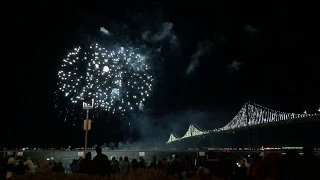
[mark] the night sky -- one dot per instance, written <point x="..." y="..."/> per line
<point x="265" y="53"/>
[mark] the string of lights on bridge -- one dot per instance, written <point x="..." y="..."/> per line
<point x="257" y="115"/>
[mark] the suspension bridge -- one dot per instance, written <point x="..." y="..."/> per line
<point x="250" y="115"/>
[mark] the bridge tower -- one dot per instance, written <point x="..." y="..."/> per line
<point x="248" y="127"/>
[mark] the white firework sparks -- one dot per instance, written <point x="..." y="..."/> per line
<point x="118" y="78"/>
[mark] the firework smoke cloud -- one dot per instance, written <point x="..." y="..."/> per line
<point x="165" y="33"/>
<point x="104" y="30"/>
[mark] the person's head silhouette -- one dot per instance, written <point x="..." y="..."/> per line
<point x="98" y="150"/>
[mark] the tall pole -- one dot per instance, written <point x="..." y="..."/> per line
<point x="86" y="136"/>
<point x="247" y="114"/>
<point x="87" y="105"/>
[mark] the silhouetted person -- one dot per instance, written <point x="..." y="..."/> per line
<point x="227" y="166"/>
<point x="289" y="165"/>
<point x="309" y="165"/>
<point x="153" y="163"/>
<point x="86" y="164"/>
<point x="212" y="163"/>
<point x="134" y="164"/>
<point x="101" y="163"/>
<point x="74" y="166"/>
<point x="142" y="163"/>
<point x="115" y="168"/>
<point x="272" y="166"/>
<point x="125" y="166"/>
<point x="20" y="168"/>
<point x="9" y="168"/>
<point x="177" y="167"/>
<point x="161" y="164"/>
<point x="58" y="168"/>
<point x="241" y="172"/>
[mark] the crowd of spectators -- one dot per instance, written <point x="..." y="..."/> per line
<point x="253" y="166"/>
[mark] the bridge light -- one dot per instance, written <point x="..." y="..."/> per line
<point x="304" y="112"/>
<point x="319" y="110"/>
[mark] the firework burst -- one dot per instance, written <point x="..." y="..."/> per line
<point x="116" y="66"/>
<point x="118" y="78"/>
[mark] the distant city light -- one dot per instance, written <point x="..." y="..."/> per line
<point x="305" y="112"/>
<point x="319" y="110"/>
